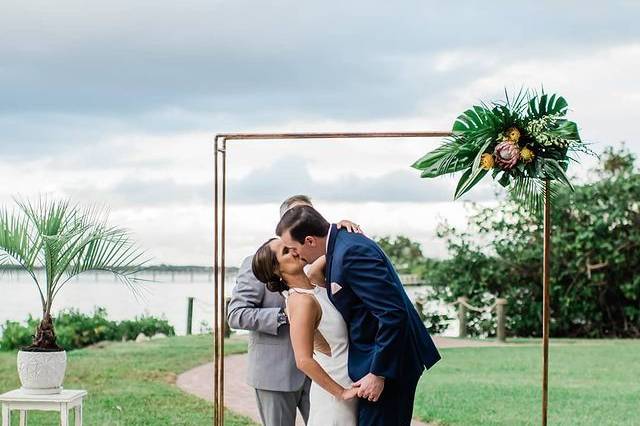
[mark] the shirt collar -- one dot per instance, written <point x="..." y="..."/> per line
<point x="326" y="244"/>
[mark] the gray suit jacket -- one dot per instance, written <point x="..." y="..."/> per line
<point x="272" y="365"/>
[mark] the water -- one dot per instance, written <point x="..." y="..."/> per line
<point x="165" y="297"/>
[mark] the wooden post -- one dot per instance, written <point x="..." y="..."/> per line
<point x="189" y="314"/>
<point x="501" y="319"/>
<point x="545" y="299"/>
<point x="462" y="316"/>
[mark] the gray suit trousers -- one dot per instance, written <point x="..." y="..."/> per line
<point x="279" y="408"/>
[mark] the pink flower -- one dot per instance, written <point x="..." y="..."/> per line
<point x="507" y="154"/>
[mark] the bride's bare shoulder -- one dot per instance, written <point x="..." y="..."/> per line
<point x="303" y="305"/>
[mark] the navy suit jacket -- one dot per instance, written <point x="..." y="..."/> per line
<point x="386" y="336"/>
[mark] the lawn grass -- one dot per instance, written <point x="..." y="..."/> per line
<point x="133" y="384"/>
<point x="592" y="382"/>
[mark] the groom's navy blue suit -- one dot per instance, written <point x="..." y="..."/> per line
<point x="386" y="336"/>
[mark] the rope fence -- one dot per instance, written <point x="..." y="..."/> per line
<point x="462" y="303"/>
<point x="500" y="306"/>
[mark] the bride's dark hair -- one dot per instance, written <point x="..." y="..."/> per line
<point x="265" y="265"/>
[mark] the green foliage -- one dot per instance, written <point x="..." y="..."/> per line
<point x="54" y="241"/>
<point x="147" y="325"/>
<point x="406" y="255"/>
<point x="592" y="383"/>
<point x="77" y="330"/>
<point x="530" y="121"/>
<point x="134" y="384"/>
<point x="16" y="335"/>
<point x="595" y="285"/>
<point x="435" y="322"/>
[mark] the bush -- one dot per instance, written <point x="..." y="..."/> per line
<point x="147" y="325"/>
<point x="76" y="330"/>
<point x="594" y="285"/>
<point x="15" y="335"/>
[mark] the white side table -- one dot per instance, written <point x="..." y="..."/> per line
<point x="62" y="402"/>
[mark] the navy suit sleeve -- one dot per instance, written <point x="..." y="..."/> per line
<point x="365" y="271"/>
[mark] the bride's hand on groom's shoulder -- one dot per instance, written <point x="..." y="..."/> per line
<point x="349" y="226"/>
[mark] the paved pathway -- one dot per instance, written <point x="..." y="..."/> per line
<point x="240" y="398"/>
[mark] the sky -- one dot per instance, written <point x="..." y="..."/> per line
<point x="117" y="103"/>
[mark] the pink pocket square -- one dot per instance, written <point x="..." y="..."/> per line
<point x="335" y="287"/>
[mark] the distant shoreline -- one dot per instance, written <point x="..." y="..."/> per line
<point x="152" y="268"/>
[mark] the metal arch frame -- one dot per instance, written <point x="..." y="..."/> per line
<point x="220" y="190"/>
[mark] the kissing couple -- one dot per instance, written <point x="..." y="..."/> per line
<point x="351" y="326"/>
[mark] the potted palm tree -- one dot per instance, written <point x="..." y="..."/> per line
<point x="54" y="241"/>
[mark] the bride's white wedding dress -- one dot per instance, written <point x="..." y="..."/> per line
<point x="327" y="410"/>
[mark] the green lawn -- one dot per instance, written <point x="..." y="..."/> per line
<point x="132" y="384"/>
<point x="592" y="382"/>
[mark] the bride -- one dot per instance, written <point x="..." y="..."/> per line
<point x="319" y="334"/>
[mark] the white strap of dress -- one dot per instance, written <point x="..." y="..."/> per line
<point x="302" y="290"/>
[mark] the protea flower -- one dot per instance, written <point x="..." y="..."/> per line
<point x="507" y="154"/>
<point x="527" y="155"/>
<point x="486" y="161"/>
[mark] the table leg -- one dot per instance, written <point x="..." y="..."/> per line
<point x="23" y="418"/>
<point x="79" y="415"/>
<point x="64" y="415"/>
<point x="6" y="415"/>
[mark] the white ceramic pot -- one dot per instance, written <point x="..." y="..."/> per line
<point x="42" y="373"/>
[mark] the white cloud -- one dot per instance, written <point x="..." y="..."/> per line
<point x="96" y="108"/>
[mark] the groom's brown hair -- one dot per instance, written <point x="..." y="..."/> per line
<point x="303" y="221"/>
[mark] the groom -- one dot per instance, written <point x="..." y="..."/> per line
<point x="389" y="346"/>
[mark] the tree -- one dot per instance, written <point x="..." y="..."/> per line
<point x="406" y="255"/>
<point x="595" y="287"/>
<point x="53" y="241"/>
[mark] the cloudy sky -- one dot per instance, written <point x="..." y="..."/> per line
<point x="117" y="103"/>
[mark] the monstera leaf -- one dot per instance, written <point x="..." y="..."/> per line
<point x="534" y="139"/>
<point x="544" y="104"/>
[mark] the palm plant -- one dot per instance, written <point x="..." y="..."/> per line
<point x="523" y="141"/>
<point x="54" y="241"/>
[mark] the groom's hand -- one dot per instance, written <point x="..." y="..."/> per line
<point x="370" y="387"/>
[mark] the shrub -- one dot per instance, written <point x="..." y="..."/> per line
<point x="77" y="330"/>
<point x="594" y="285"/>
<point x="147" y="325"/>
<point x="15" y="335"/>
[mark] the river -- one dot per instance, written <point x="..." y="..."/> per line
<point x="166" y="296"/>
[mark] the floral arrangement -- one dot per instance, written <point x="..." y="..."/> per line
<point x="522" y="142"/>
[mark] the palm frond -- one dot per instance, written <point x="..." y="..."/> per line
<point x="66" y="240"/>
<point x="529" y="120"/>
<point x="531" y="192"/>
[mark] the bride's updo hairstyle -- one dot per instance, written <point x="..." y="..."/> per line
<point x="265" y="265"/>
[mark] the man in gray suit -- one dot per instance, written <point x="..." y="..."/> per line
<point x="280" y="387"/>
